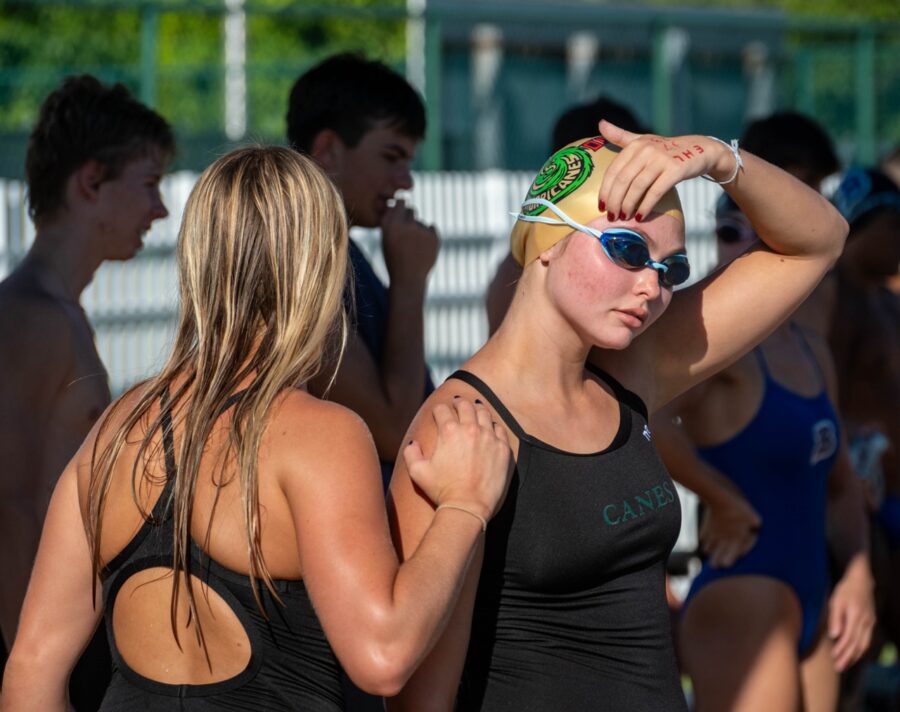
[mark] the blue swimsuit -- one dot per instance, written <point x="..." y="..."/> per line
<point x="781" y="462"/>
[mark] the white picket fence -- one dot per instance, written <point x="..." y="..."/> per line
<point x="132" y="305"/>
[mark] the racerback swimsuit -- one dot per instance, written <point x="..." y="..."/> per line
<point x="291" y="667"/>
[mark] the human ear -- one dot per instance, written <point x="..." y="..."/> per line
<point x="327" y="150"/>
<point x="552" y="252"/>
<point x="87" y="179"/>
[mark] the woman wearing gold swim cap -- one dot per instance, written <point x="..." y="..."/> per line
<point x="564" y="605"/>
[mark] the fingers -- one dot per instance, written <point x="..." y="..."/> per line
<point x="616" y="134"/>
<point x="636" y="190"/>
<point x="412" y="455"/>
<point x="396" y="214"/>
<point x="484" y="416"/>
<point x="850" y="630"/>
<point x="465" y="411"/>
<point x="443" y="414"/>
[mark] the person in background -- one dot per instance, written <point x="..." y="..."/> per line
<point x="363" y="123"/>
<point x="93" y="167"/>
<point x="761" y="444"/>
<point x="864" y="321"/>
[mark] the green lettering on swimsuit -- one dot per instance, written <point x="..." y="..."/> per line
<point x="606" y="518"/>
<point x="627" y="512"/>
<point x="644" y="501"/>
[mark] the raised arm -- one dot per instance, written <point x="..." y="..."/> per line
<point x="382" y="618"/>
<point x="433" y="686"/>
<point x="710" y="324"/>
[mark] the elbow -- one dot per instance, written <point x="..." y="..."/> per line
<point x="838" y="231"/>
<point x="383" y="668"/>
<point x="30" y="668"/>
<point x="383" y="678"/>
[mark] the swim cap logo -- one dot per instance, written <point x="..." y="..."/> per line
<point x="563" y="173"/>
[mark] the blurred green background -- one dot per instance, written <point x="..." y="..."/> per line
<point x="495" y="73"/>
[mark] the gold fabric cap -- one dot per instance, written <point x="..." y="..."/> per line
<point x="570" y="179"/>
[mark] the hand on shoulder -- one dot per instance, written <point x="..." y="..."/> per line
<point x="468" y="456"/>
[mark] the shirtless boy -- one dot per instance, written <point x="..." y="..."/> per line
<point x="93" y="167"/>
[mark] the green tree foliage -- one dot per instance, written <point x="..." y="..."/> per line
<point x="42" y="41"/>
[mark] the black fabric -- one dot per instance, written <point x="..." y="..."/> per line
<point x="92" y="673"/>
<point x="369" y="313"/>
<point x="571" y="612"/>
<point x="291" y="667"/>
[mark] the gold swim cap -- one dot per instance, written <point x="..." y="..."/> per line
<point x="570" y="179"/>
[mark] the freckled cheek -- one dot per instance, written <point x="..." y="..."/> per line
<point x="581" y="284"/>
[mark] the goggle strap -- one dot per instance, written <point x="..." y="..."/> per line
<point x="566" y="220"/>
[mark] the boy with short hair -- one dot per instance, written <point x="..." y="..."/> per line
<point x="362" y="123"/>
<point x="94" y="162"/>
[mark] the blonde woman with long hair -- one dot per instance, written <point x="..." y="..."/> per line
<point x="230" y="527"/>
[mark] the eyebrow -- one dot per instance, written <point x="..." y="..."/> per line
<point x="399" y="149"/>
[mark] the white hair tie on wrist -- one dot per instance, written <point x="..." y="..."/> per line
<point x="738" y="161"/>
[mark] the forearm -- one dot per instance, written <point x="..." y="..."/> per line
<point x="684" y="464"/>
<point x="791" y="218"/>
<point x="396" y="633"/>
<point x="30" y="683"/>
<point x="848" y="531"/>
<point x="403" y="360"/>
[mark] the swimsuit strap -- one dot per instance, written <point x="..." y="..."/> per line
<point x="167" y="434"/>
<point x="761" y="360"/>
<point x="622" y="394"/>
<point x="485" y="390"/>
<point x="809" y="352"/>
<point x="167" y="428"/>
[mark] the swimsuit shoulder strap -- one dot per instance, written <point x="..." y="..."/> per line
<point x="491" y="397"/>
<point x="167" y="428"/>
<point x="761" y="360"/>
<point x="809" y="353"/>
<point x="623" y="395"/>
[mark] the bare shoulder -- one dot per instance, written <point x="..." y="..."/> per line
<point x="33" y="326"/>
<point x="423" y="429"/>
<point x="409" y="510"/>
<point x="112" y="418"/>
<point x="305" y="433"/>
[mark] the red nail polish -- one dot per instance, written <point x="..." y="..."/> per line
<point x="638" y="217"/>
<point x="602" y="205"/>
<point x="621" y="216"/>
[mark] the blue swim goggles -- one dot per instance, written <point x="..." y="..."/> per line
<point x="625" y="248"/>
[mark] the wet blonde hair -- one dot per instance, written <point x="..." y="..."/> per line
<point x="262" y="258"/>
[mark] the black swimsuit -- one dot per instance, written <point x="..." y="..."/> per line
<point x="571" y="611"/>
<point x="292" y="666"/>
